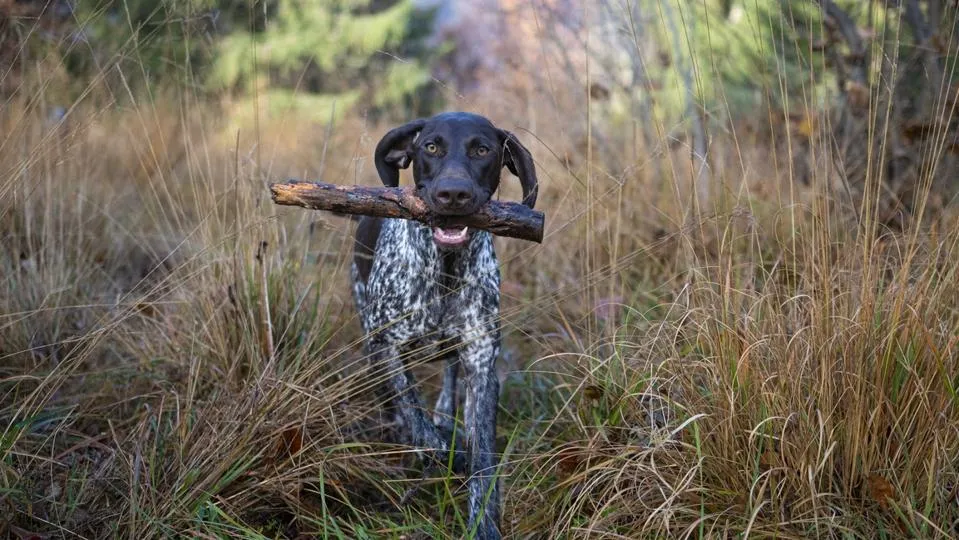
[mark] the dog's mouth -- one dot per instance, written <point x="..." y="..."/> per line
<point x="451" y="237"/>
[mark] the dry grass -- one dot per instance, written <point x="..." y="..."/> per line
<point x="179" y="357"/>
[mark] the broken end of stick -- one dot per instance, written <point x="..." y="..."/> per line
<point x="284" y="193"/>
<point x="538" y="238"/>
<point x="536" y="231"/>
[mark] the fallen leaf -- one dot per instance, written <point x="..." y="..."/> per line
<point x="769" y="459"/>
<point x="593" y="392"/>
<point x="568" y="461"/>
<point x="146" y="309"/>
<point x="291" y="442"/>
<point x="880" y="490"/>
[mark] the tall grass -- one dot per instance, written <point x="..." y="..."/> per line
<point x="179" y="357"/>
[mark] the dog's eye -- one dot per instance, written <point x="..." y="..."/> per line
<point x="482" y="151"/>
<point x="430" y="148"/>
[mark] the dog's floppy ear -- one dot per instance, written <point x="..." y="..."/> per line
<point x="393" y="152"/>
<point x="520" y="162"/>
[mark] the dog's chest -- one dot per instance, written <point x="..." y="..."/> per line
<point x="415" y="292"/>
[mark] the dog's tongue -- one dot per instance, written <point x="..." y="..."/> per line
<point x="450" y="236"/>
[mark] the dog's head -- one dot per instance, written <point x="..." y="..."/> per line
<point x="457" y="159"/>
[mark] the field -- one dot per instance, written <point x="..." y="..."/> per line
<point x="762" y="353"/>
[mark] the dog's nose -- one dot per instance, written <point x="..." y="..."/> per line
<point x="454" y="196"/>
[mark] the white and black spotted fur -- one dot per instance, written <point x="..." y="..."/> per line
<point x="414" y="292"/>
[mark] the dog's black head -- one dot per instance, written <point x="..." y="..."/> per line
<point x="457" y="158"/>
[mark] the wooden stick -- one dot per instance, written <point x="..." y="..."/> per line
<point x="509" y="219"/>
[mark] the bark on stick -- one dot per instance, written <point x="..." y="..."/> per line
<point x="509" y="219"/>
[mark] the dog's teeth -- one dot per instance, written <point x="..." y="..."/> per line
<point x="451" y="235"/>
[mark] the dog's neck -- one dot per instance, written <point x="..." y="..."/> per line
<point x="448" y="268"/>
<point x="454" y="266"/>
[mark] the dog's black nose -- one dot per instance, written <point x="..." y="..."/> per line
<point x="454" y="195"/>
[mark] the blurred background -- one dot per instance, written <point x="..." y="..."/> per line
<point x="743" y="319"/>
<point x="658" y="76"/>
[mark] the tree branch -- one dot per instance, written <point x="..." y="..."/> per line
<point x="508" y="219"/>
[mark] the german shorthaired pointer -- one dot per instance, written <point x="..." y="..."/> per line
<point x="420" y="288"/>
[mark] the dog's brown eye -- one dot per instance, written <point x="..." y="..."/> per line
<point x="430" y="148"/>
<point x="482" y="151"/>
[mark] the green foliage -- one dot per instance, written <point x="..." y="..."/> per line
<point x="745" y="53"/>
<point x="160" y="40"/>
<point x="728" y="56"/>
<point x="741" y="53"/>
<point x="302" y="55"/>
<point x="736" y="54"/>
<point x="339" y="50"/>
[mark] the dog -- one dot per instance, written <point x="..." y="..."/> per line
<point x="418" y="286"/>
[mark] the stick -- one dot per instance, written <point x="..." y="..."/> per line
<point x="509" y="219"/>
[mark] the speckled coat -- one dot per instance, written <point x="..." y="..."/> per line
<point x="412" y="294"/>
<point x="419" y="298"/>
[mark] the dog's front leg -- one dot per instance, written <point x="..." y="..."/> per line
<point x="397" y="390"/>
<point x="482" y="397"/>
<point x="444" y="414"/>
